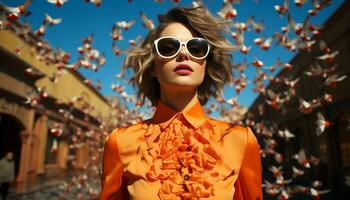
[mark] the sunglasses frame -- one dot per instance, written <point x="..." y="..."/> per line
<point x="181" y="44"/>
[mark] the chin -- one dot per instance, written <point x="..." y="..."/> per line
<point x="186" y="84"/>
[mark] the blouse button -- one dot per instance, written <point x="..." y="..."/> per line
<point x="187" y="177"/>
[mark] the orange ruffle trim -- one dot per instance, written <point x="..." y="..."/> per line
<point x="183" y="161"/>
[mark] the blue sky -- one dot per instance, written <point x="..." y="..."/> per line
<point x="80" y="19"/>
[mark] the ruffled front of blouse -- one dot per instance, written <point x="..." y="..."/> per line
<point x="183" y="160"/>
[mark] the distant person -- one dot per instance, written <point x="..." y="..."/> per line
<point x="7" y="173"/>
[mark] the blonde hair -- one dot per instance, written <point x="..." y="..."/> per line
<point x="218" y="67"/>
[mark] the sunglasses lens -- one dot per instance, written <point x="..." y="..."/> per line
<point x="168" y="46"/>
<point x="198" y="47"/>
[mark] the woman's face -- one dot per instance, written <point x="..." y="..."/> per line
<point x="164" y="69"/>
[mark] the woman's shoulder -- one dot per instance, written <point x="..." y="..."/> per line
<point x="126" y="140"/>
<point x="127" y="129"/>
<point x="226" y="125"/>
<point x="236" y="130"/>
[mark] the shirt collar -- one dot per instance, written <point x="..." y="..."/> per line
<point x="164" y="115"/>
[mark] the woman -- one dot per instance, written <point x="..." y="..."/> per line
<point x="7" y="173"/>
<point x="180" y="153"/>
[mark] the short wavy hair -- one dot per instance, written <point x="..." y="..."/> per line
<point x="218" y="69"/>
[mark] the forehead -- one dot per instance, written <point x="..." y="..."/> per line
<point x="178" y="30"/>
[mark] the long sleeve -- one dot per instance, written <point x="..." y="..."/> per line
<point x="112" y="174"/>
<point x="249" y="183"/>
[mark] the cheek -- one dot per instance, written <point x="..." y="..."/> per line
<point x="160" y="65"/>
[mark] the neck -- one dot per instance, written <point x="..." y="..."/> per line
<point x="179" y="99"/>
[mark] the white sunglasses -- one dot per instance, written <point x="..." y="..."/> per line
<point x="169" y="47"/>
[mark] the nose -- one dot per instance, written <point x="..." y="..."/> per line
<point x="183" y="53"/>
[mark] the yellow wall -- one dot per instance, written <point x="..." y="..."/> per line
<point x="68" y="85"/>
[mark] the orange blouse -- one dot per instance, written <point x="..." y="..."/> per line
<point x="181" y="155"/>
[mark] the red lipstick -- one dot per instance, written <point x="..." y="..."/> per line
<point x="183" y="69"/>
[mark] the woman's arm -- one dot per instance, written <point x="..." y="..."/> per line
<point x="249" y="183"/>
<point x="112" y="174"/>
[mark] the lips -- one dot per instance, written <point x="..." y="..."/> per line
<point x="183" y="67"/>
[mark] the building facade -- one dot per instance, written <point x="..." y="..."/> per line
<point x="331" y="147"/>
<point x="46" y="119"/>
